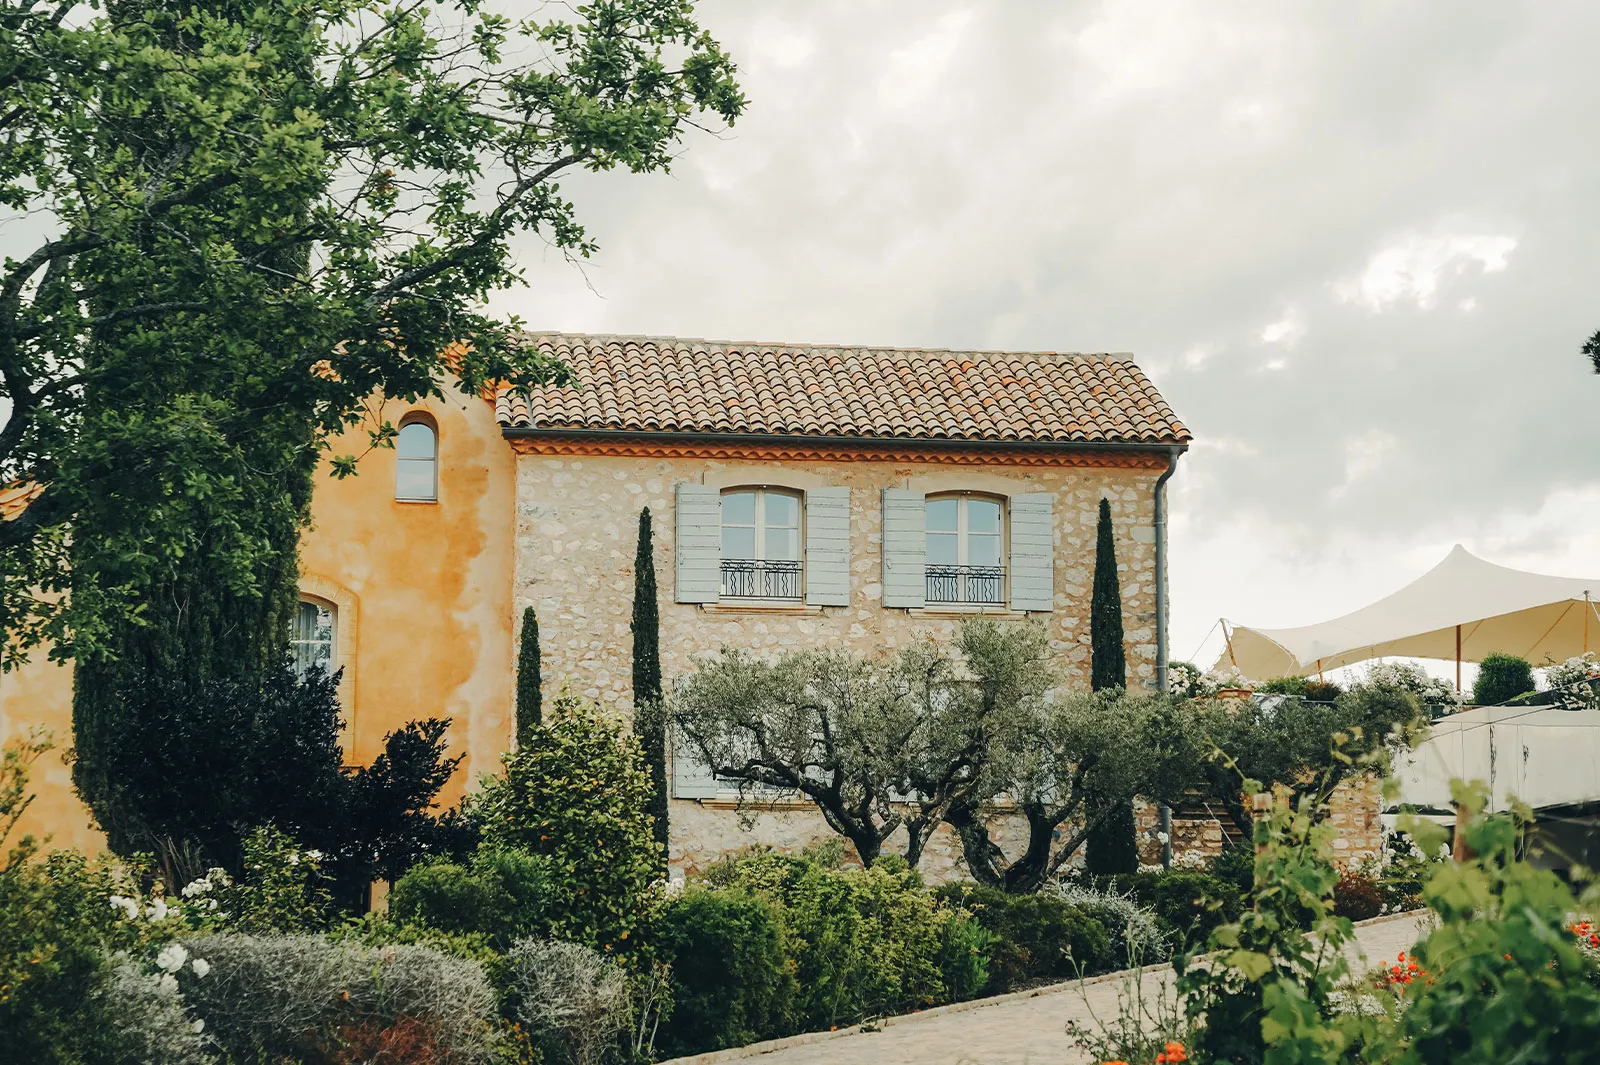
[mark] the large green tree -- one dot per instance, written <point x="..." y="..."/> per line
<point x="1111" y="848"/>
<point x="257" y="217"/>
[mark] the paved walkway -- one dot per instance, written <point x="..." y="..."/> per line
<point x="1011" y="1030"/>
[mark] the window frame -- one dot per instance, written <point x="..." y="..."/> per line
<point x="301" y="667"/>
<point x="963" y="534"/>
<point x="760" y="562"/>
<point x="427" y="422"/>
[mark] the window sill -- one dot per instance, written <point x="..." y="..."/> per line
<point x="423" y="502"/>
<point x="761" y="606"/>
<point x="949" y="610"/>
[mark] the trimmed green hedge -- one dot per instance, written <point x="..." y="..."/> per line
<point x="1036" y="937"/>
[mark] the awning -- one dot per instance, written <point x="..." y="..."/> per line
<point x="1489" y="608"/>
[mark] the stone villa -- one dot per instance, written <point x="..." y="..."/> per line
<point x="803" y="495"/>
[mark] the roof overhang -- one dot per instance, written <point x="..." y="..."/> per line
<point x="1155" y="455"/>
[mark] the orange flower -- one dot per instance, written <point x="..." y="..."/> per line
<point x="1176" y="1053"/>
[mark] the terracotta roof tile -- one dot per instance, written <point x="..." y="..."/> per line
<point x="662" y="384"/>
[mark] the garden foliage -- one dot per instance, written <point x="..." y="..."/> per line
<point x="577" y="795"/>
<point x="732" y="982"/>
<point x="1501" y="678"/>
<point x="530" y="696"/>
<point x="502" y="895"/>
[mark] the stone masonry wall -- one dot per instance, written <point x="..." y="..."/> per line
<point x="576" y="527"/>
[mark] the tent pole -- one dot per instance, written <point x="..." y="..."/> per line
<point x="1458" y="661"/>
<point x="1227" y="637"/>
<point x="1319" y="671"/>
<point x="1586" y="609"/>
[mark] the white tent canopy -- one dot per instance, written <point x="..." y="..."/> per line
<point x="1464" y="608"/>
<point x="1542" y="755"/>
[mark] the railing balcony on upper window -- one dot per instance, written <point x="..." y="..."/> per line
<point x="755" y="578"/>
<point x="976" y="585"/>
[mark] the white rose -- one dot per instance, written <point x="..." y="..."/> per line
<point x="197" y="1027"/>
<point x="157" y="910"/>
<point x="169" y="983"/>
<point x="200" y="967"/>
<point x="126" y="906"/>
<point x="171" y="958"/>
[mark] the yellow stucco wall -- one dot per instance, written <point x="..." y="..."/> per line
<point x="423" y="590"/>
<point x="423" y="594"/>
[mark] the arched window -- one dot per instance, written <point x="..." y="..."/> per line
<point x="760" y="544"/>
<point x="966" y="546"/>
<point x="416" y="478"/>
<point x="312" y="636"/>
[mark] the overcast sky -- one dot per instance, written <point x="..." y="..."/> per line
<point x="1354" y="244"/>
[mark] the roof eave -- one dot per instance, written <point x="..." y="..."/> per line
<point x="1167" y="447"/>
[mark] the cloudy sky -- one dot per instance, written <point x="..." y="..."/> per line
<point x="1354" y="244"/>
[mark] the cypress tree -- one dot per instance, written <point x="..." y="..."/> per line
<point x="529" y="711"/>
<point x="649" y="720"/>
<point x="1111" y="847"/>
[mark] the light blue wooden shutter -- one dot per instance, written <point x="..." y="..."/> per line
<point x="699" y="548"/>
<point x="905" y="548"/>
<point x="827" y="574"/>
<point x="691" y="777"/>
<point x="1032" y="552"/>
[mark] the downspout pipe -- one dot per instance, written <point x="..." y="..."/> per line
<point x="1161" y="565"/>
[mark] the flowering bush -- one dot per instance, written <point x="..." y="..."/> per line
<point x="1575" y="670"/>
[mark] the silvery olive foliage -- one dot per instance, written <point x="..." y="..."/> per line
<point x="574" y="1001"/>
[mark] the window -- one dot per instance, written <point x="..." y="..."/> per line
<point x="965" y="541"/>
<point x="760" y="544"/>
<point x="312" y="637"/>
<point x="416" y="478"/>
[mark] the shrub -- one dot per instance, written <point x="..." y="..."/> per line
<point x="1316" y="691"/>
<point x="576" y="794"/>
<point x="1134" y="935"/>
<point x="291" y="996"/>
<point x="1236" y="867"/>
<point x="964" y="957"/>
<point x="573" y="1002"/>
<point x="865" y="942"/>
<point x="1189" y="903"/>
<point x="147" y="1014"/>
<point x="1036" y="936"/>
<point x="1355" y="896"/>
<point x="503" y="895"/>
<point x="1501" y="678"/>
<point x="731" y="979"/>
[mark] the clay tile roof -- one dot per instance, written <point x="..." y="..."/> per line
<point x="662" y="384"/>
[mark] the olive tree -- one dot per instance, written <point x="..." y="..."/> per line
<point x="877" y="744"/>
<point x="1065" y="766"/>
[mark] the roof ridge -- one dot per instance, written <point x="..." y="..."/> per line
<point x="987" y="353"/>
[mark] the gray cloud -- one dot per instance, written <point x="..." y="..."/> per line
<point x="1353" y="242"/>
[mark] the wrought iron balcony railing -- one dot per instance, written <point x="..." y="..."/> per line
<point x="974" y="585"/>
<point x="753" y="578"/>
